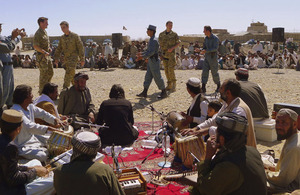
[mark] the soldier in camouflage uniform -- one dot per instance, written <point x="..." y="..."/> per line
<point x="168" y="41"/>
<point x="72" y="48"/>
<point x="41" y="44"/>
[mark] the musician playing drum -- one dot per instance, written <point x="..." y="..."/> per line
<point x="29" y="146"/>
<point x="197" y="112"/>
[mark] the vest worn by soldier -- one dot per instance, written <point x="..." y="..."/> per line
<point x="71" y="46"/>
<point x="166" y="41"/>
<point x="196" y="110"/>
<point x="253" y="96"/>
<point x="41" y="39"/>
<point x="249" y="162"/>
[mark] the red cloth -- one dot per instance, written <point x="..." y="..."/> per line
<point x="172" y="188"/>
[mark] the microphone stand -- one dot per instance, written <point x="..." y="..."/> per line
<point x="165" y="163"/>
<point x="152" y="151"/>
<point x="115" y="163"/>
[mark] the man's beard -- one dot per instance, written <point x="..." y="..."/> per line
<point x="286" y="135"/>
<point x="224" y="97"/>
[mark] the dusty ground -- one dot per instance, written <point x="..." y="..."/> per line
<point x="278" y="88"/>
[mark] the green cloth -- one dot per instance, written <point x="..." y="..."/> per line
<point x="71" y="46"/>
<point x="41" y="39"/>
<point x="232" y="171"/>
<point x="223" y="179"/>
<point x="86" y="177"/>
<point x="72" y="101"/>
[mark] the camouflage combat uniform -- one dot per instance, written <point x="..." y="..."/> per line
<point x="166" y="41"/>
<point x="44" y="62"/>
<point x="72" y="48"/>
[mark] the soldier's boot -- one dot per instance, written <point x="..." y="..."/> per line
<point x="144" y="93"/>
<point x="173" y="86"/>
<point x="169" y="86"/>
<point x="218" y="87"/>
<point x="203" y="88"/>
<point x="163" y="94"/>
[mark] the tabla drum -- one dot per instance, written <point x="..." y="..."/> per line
<point x="60" y="142"/>
<point x="188" y="144"/>
<point x="175" y="120"/>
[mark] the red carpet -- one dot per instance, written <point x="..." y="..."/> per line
<point x="133" y="158"/>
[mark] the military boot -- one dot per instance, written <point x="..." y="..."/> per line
<point x="203" y="88"/>
<point x="169" y="86"/>
<point x="173" y="86"/>
<point x="218" y="87"/>
<point x="163" y="94"/>
<point x="144" y="93"/>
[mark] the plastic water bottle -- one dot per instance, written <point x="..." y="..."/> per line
<point x="166" y="144"/>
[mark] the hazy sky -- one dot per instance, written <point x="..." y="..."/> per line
<point x="102" y="17"/>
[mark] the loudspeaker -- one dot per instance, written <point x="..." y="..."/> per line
<point x="278" y="35"/>
<point x="117" y="40"/>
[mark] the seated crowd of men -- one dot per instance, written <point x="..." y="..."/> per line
<point x="231" y="146"/>
<point x="234" y="57"/>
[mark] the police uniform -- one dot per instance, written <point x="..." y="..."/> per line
<point x="72" y="48"/>
<point x="44" y="62"/>
<point x="166" y="41"/>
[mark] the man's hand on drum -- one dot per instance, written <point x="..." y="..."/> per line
<point x="57" y="122"/>
<point x="187" y="131"/>
<point x="40" y="170"/>
<point x="91" y="117"/>
<point x="53" y="129"/>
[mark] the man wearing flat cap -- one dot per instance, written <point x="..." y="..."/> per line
<point x="76" y="101"/>
<point x="230" y="167"/>
<point x="197" y="112"/>
<point x="82" y="175"/>
<point x="286" y="177"/>
<point x="252" y="95"/>
<point x="13" y="177"/>
<point x="153" y="68"/>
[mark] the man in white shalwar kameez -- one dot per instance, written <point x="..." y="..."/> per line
<point x="28" y="145"/>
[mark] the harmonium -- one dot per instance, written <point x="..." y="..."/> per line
<point x="294" y="107"/>
<point x="132" y="181"/>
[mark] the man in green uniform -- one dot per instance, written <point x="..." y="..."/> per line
<point x="82" y="175"/>
<point x="168" y="41"/>
<point x="41" y="44"/>
<point x="235" y="168"/>
<point x="72" y="48"/>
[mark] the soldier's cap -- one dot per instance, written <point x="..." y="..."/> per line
<point x="151" y="27"/>
<point x="194" y="82"/>
<point x="94" y="44"/>
<point x="286" y="111"/>
<point x="242" y="71"/>
<point x="12" y="116"/>
<point x="81" y="75"/>
<point x="231" y="122"/>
